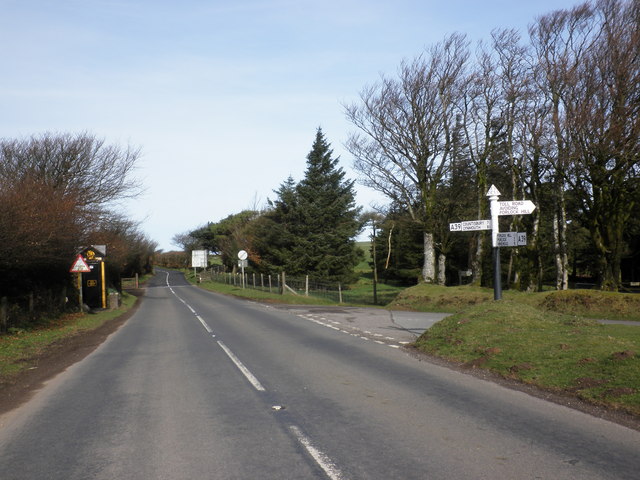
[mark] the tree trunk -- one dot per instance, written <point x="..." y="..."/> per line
<point x="442" y="262"/>
<point x="476" y="264"/>
<point x="429" y="266"/>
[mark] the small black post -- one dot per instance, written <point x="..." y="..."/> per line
<point x="497" y="274"/>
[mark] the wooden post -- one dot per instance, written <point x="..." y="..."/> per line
<point x="339" y="293"/>
<point x="80" y="290"/>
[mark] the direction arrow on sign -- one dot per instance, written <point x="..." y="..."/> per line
<point x="470" y="226"/>
<point x="516" y="207"/>
<point x="79" y="266"/>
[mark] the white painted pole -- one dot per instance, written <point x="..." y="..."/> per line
<point x="493" y="195"/>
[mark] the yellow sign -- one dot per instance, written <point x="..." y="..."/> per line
<point x="92" y="283"/>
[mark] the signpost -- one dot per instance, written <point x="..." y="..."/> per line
<point x="198" y="260"/>
<point x="243" y="262"/>
<point x="506" y="239"/>
<point x="80" y="267"/>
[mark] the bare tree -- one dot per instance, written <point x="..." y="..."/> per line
<point x="81" y="165"/>
<point x="560" y="40"/>
<point x="54" y="190"/>
<point x="591" y="62"/>
<point x="405" y="139"/>
<point x="603" y="116"/>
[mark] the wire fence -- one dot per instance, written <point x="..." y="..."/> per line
<point x="281" y="283"/>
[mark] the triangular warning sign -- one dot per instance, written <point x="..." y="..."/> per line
<point x="79" y="266"/>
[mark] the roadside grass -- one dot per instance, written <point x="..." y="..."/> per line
<point x="585" y="303"/>
<point x="554" y="351"/>
<point x="19" y="346"/>
<point x="357" y="294"/>
<point x="258" y="295"/>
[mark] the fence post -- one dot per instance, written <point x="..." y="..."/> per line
<point x="136" y="280"/>
<point x="306" y="285"/>
<point x="254" y="281"/>
<point x="283" y="284"/>
<point x="262" y="281"/>
<point x="4" y="310"/>
<point x="269" y="283"/>
<point x="339" y="293"/>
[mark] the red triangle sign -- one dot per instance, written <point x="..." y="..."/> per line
<point x="79" y="266"/>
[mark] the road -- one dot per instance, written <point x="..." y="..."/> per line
<point x="197" y="385"/>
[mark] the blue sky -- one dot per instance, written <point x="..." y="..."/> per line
<point x="223" y="98"/>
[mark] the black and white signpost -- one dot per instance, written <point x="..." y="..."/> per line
<point x="506" y="239"/>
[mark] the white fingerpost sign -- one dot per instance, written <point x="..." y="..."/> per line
<point x="512" y="239"/>
<point x="470" y="226"/>
<point x="506" y="239"/>
<point x="516" y="207"/>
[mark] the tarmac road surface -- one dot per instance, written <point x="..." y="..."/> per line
<point x="198" y="385"/>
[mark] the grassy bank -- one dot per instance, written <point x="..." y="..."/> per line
<point x="17" y="348"/>
<point x="585" y="303"/>
<point x="554" y="351"/>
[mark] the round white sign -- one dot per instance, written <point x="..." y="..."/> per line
<point x="242" y="255"/>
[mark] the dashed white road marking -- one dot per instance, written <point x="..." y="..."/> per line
<point x="245" y="371"/>
<point x="321" y="459"/>
<point x="354" y="333"/>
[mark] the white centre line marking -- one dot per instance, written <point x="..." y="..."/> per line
<point x="204" y="324"/>
<point x="321" y="459"/>
<point x="252" y="379"/>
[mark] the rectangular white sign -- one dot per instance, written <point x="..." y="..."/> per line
<point x="512" y="239"/>
<point x="199" y="259"/>
<point x="516" y="207"/>
<point x="470" y="226"/>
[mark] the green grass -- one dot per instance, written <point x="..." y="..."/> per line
<point x="360" y="293"/>
<point x="585" y="303"/>
<point x="554" y="351"/>
<point x="17" y="348"/>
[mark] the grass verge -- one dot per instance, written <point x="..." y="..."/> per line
<point x="584" y="303"/>
<point x="554" y="351"/>
<point x="19" y="349"/>
<point x="359" y="294"/>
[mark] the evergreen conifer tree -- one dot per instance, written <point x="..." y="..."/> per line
<point x="326" y="220"/>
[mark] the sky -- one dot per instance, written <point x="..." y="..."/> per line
<point x="223" y="98"/>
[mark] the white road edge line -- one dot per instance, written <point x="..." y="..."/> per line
<point x="321" y="459"/>
<point x="252" y="379"/>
